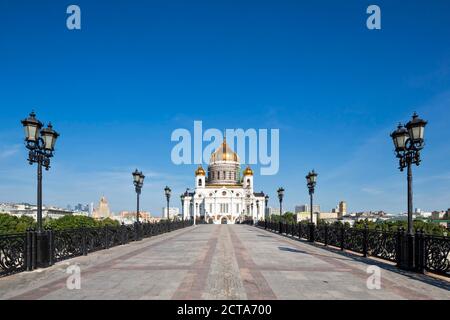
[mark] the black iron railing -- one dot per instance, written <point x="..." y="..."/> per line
<point x="13" y="253"/>
<point x="18" y="251"/>
<point x="431" y="253"/>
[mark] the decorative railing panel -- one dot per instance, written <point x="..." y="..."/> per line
<point x="334" y="236"/>
<point x="382" y="244"/>
<point x="12" y="253"/>
<point x="320" y="233"/>
<point x="67" y="244"/>
<point x="354" y="240"/>
<point x="437" y="254"/>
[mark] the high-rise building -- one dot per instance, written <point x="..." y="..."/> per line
<point x="102" y="211"/>
<point x="342" y="209"/>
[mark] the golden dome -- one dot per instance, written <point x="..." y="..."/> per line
<point x="224" y="153"/>
<point x="248" y="171"/>
<point x="200" y="171"/>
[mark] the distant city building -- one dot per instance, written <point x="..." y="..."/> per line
<point x="439" y="215"/>
<point x="103" y="211"/>
<point x="81" y="213"/>
<point x="422" y="214"/>
<point x="342" y="209"/>
<point x="25" y="209"/>
<point x="82" y="208"/>
<point x="128" y="217"/>
<point x="173" y="212"/>
<point x="306" y="208"/>
<point x="273" y="211"/>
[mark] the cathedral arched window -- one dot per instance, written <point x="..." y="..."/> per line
<point x="200" y="182"/>
<point x="218" y="175"/>
<point x="248" y="182"/>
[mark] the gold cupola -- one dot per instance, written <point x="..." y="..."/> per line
<point x="248" y="171"/>
<point x="224" y="153"/>
<point x="200" y="171"/>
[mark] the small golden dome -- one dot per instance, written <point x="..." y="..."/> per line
<point x="224" y="153"/>
<point x="200" y="171"/>
<point x="248" y="171"/>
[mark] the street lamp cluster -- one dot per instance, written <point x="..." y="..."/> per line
<point x="41" y="144"/>
<point x="311" y="180"/>
<point x="408" y="142"/>
<point x="138" y="181"/>
<point x="168" y="192"/>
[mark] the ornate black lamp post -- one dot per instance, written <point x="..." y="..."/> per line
<point x="182" y="197"/>
<point x="192" y="210"/>
<point x="257" y="211"/>
<point x="251" y="208"/>
<point x="167" y="192"/>
<point x="197" y="211"/>
<point x="409" y="141"/>
<point x="41" y="145"/>
<point x="138" y="181"/>
<point x="266" y="201"/>
<point x="311" y="180"/>
<point x="280" y="192"/>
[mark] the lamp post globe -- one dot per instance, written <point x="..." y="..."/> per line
<point x="49" y="137"/>
<point x="32" y="128"/>
<point x="416" y="130"/>
<point x="399" y="138"/>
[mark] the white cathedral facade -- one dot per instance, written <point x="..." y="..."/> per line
<point x="223" y="195"/>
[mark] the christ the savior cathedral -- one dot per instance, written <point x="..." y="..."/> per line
<point x="223" y="195"/>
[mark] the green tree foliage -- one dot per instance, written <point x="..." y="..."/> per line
<point x="287" y="217"/>
<point x="427" y="227"/>
<point x="12" y="224"/>
<point x="73" y="222"/>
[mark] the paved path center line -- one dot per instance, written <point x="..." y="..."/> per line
<point x="194" y="283"/>
<point x="254" y="282"/>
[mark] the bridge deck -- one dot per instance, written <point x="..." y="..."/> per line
<point x="221" y="262"/>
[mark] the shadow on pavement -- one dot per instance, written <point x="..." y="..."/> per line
<point x="384" y="265"/>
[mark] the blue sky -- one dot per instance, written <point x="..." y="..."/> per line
<point x="137" y="70"/>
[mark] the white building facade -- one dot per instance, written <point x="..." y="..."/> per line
<point x="223" y="195"/>
<point x="173" y="212"/>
